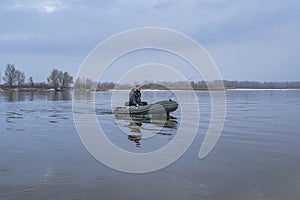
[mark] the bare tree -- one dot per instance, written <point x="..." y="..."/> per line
<point x="10" y="77"/>
<point x="65" y="80"/>
<point x="84" y="83"/>
<point x="60" y="80"/>
<point x="54" y="79"/>
<point x="20" y="77"/>
<point x="31" y="83"/>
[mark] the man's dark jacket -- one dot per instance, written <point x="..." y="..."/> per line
<point x="134" y="97"/>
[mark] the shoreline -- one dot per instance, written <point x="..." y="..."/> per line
<point x="151" y="89"/>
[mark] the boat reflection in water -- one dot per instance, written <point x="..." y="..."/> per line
<point x="145" y="126"/>
<point x="146" y="121"/>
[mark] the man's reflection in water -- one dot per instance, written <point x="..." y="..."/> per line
<point x="136" y="139"/>
<point x="135" y="129"/>
<point x="136" y="123"/>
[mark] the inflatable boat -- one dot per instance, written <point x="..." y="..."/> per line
<point x="159" y="108"/>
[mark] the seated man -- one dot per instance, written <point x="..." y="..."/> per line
<point x="135" y="97"/>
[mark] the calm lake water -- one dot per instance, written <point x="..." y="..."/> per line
<point x="256" y="158"/>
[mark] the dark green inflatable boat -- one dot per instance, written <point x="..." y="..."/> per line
<point x="159" y="108"/>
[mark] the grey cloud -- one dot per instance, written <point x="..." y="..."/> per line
<point x="221" y="26"/>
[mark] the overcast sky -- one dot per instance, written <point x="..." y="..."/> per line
<point x="248" y="39"/>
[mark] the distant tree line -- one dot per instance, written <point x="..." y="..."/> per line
<point x="89" y="84"/>
<point x="62" y="80"/>
<point x="14" y="78"/>
<point x="262" y="85"/>
<point x="82" y="83"/>
<point x="250" y="84"/>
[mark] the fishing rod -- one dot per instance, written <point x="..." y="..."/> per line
<point x="173" y="95"/>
